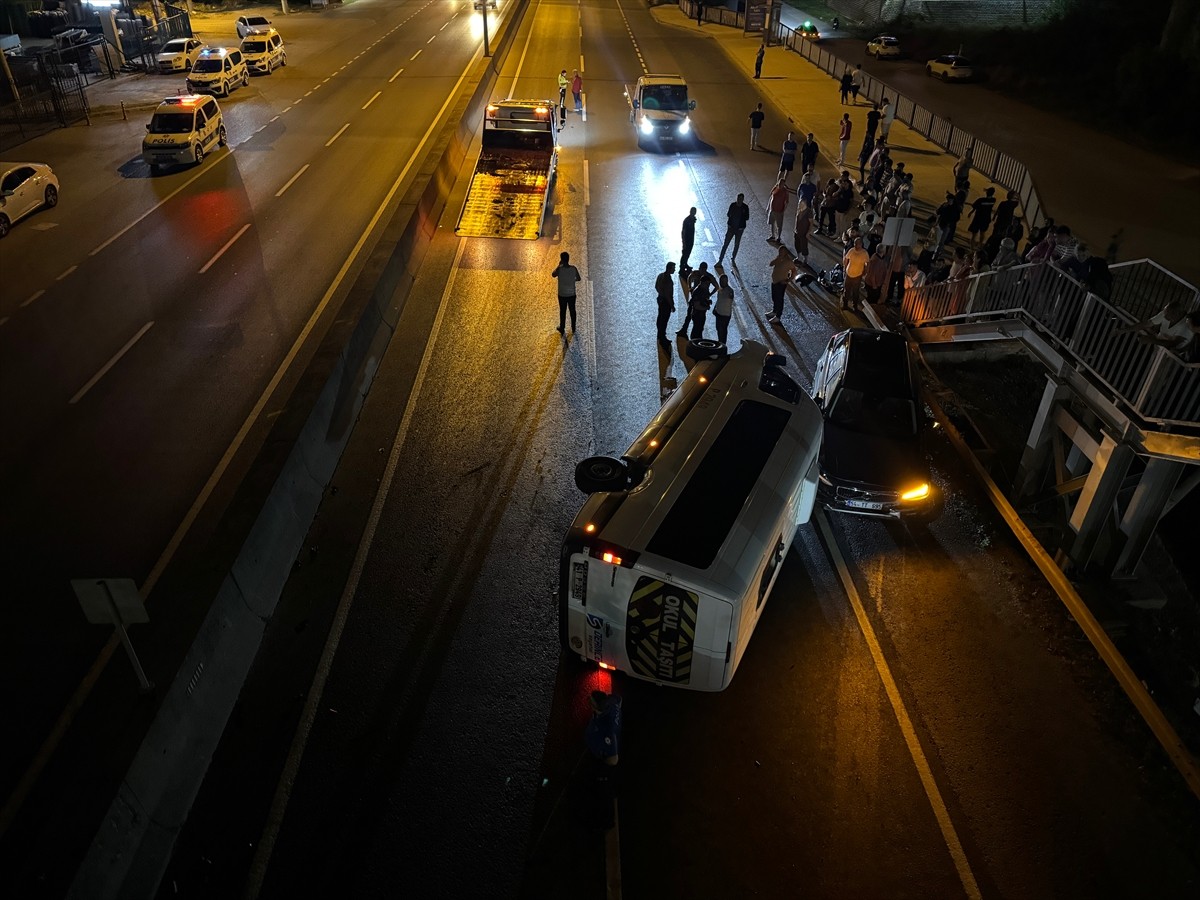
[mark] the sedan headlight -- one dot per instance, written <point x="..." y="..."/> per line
<point x="918" y="493"/>
<point x="685" y="126"/>
<point x="647" y="126"/>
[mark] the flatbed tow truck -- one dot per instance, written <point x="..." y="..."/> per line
<point x="511" y="186"/>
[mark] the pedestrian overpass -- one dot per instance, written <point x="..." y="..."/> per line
<point x="1117" y="429"/>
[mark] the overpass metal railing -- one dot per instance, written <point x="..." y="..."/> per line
<point x="1149" y="380"/>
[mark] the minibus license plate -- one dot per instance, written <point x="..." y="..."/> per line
<point x="579" y="580"/>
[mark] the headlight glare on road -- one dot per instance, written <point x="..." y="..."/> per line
<point x="918" y="493"/>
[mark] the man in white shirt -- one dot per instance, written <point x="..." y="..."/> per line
<point x="1167" y="328"/>
<point x="887" y="116"/>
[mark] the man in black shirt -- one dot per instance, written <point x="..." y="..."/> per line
<point x="737" y="218"/>
<point x="689" y="239"/>
<point x="808" y="154"/>
<point x="664" y="289"/>
<point x="756" y="120"/>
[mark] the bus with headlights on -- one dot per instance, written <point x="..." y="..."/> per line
<point x="666" y="570"/>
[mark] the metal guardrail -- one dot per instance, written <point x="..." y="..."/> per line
<point x="1149" y="380"/>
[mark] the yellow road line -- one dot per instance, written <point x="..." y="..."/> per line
<point x="949" y="835"/>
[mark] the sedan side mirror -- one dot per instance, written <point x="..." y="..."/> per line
<point x="691" y="104"/>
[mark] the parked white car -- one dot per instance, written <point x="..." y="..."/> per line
<point x="950" y="67"/>
<point x="178" y="55"/>
<point x="246" y="24"/>
<point x="884" y="47"/>
<point x="25" y="188"/>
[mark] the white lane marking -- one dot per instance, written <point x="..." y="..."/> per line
<point x="283" y="787"/>
<point x="583" y="106"/>
<point x="430" y="41"/>
<point x="66" y="273"/>
<point x="112" y="362"/>
<point x="394" y="77"/>
<point x="580" y="55"/>
<point x="415" y="55"/>
<point x="32" y="297"/>
<point x="300" y="100"/>
<point x="292" y="180"/>
<point x="372" y="100"/>
<point x="949" y="834"/>
<point x="286" y="109"/>
<point x="443" y="28"/>
<point x="272" y="119"/>
<point x="326" y="80"/>
<point x="221" y="252"/>
<point x="587" y="183"/>
<point x="338" y="135"/>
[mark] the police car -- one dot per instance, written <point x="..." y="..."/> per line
<point x="183" y="130"/>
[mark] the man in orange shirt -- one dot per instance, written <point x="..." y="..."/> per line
<point x="854" y="264"/>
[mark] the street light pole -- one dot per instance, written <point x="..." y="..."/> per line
<point x="487" y="50"/>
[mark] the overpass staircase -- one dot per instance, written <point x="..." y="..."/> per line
<point x="1117" y="428"/>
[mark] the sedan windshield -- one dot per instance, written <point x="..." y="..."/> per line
<point x="893" y="417"/>
<point x="175" y="46"/>
<point x="171" y="123"/>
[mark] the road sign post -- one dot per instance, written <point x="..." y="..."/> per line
<point x="115" y="601"/>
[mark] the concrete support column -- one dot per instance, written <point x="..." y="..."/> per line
<point x="1033" y="459"/>
<point x="1148" y="505"/>
<point x="1095" y="504"/>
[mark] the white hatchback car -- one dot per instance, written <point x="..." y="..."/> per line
<point x="178" y="55"/>
<point x="950" y="67"/>
<point x="263" y="51"/>
<point x="884" y="47"/>
<point x="246" y="24"/>
<point x="25" y="188"/>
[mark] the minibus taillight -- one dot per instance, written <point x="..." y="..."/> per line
<point x="615" y="556"/>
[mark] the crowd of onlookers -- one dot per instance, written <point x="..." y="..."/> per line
<point x="961" y="237"/>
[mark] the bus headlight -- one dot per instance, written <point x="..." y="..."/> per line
<point x="918" y="493"/>
<point x="647" y="126"/>
<point x="685" y="126"/>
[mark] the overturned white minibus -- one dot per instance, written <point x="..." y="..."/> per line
<point x="669" y="564"/>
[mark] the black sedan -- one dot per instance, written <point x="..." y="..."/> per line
<point x="872" y="460"/>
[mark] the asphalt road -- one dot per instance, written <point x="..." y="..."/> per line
<point x="152" y="323"/>
<point x="906" y="722"/>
